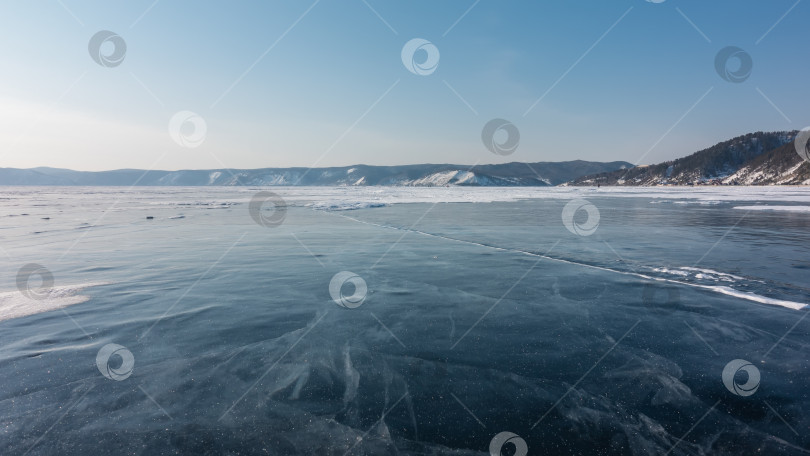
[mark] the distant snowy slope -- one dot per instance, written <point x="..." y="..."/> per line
<point x="428" y="175"/>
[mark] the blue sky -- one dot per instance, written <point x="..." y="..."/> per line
<point x="303" y="83"/>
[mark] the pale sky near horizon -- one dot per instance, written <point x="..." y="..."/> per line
<point x="324" y="83"/>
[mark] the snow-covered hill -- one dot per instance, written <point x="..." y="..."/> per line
<point x="753" y="159"/>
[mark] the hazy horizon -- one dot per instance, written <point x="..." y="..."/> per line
<point x="376" y="165"/>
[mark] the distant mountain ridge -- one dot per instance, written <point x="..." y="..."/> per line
<point x="753" y="159"/>
<point x="427" y="175"/>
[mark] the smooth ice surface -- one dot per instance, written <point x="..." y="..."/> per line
<point x="483" y="314"/>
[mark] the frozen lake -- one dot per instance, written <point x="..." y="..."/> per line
<point x="404" y="321"/>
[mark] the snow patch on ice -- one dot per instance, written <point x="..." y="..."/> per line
<point x="712" y="273"/>
<point x="757" y="298"/>
<point x="344" y="205"/>
<point x="700" y="273"/>
<point x="671" y="272"/>
<point x="14" y="304"/>
<point x="378" y="196"/>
